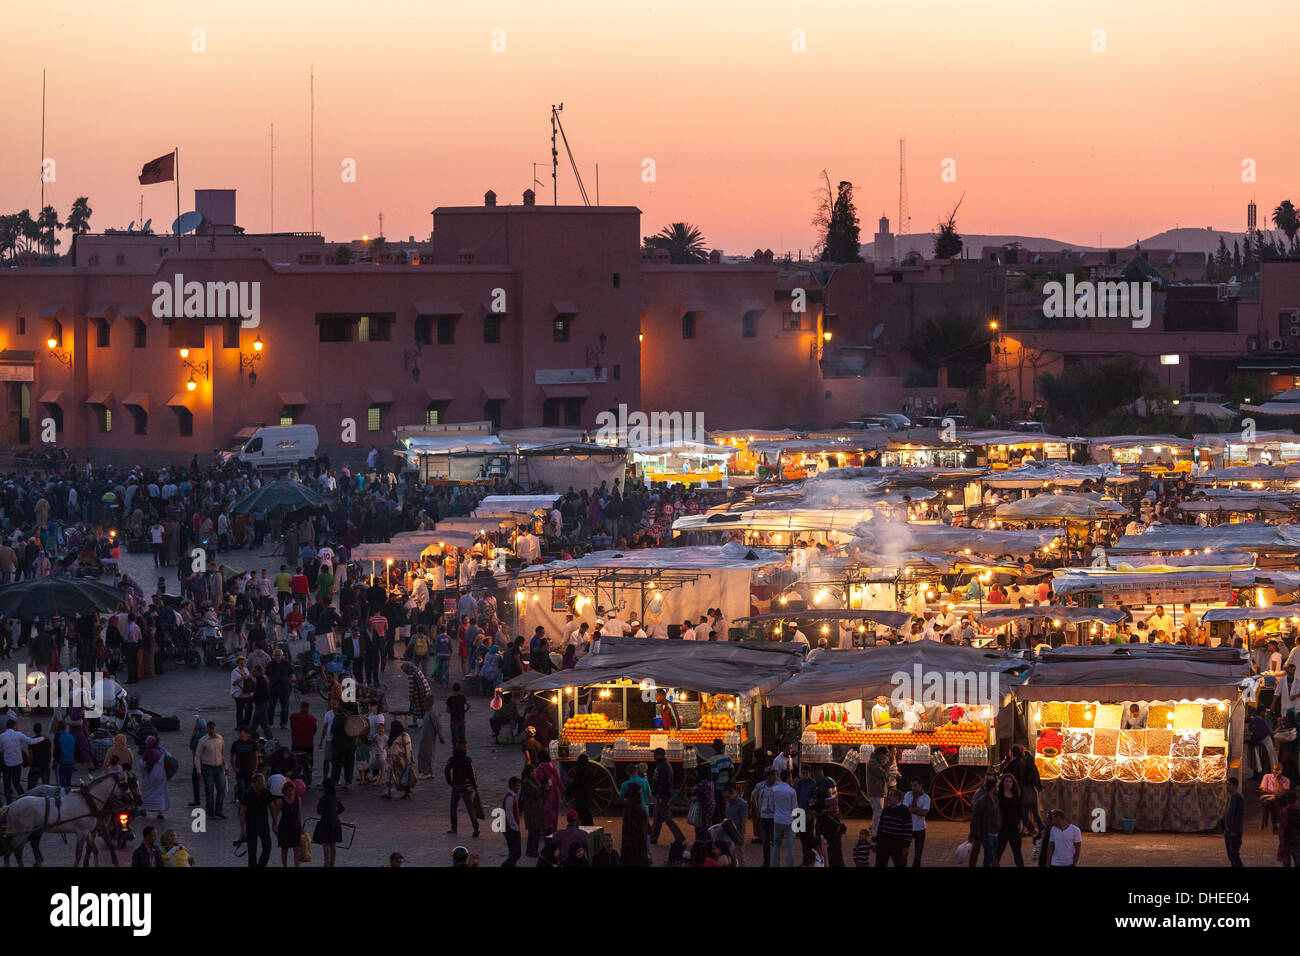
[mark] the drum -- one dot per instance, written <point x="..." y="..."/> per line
<point x="356" y="726"/>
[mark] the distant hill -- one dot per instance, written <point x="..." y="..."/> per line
<point x="1182" y="240"/>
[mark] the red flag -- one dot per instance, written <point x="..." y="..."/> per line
<point x="160" y="170"/>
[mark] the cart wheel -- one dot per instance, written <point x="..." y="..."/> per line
<point x="954" y="790"/>
<point x="846" y="788"/>
<point x="603" y="790"/>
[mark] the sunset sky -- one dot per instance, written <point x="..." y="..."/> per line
<point x="1049" y="138"/>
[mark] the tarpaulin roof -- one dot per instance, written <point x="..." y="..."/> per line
<point x="1197" y="560"/>
<point x="891" y="536"/>
<point x="1125" y="672"/>
<point x="506" y="505"/>
<point x="745" y="668"/>
<point x="812" y="446"/>
<point x="893" y="619"/>
<point x="837" y="676"/>
<point x="1244" y="535"/>
<point x="1060" y="506"/>
<point x="793" y="520"/>
<point x="1067" y="615"/>
<point x="1276" y="408"/>
<point x="1257" y="502"/>
<point x="455" y="445"/>
<point x="731" y="556"/>
<point x="1139" y="441"/>
<point x="1251" y="613"/>
<point x="1055" y="473"/>
<point x="995" y="437"/>
<point x="685" y="449"/>
<point x="1079" y="580"/>
<point x="1234" y="438"/>
<point x="1251" y="473"/>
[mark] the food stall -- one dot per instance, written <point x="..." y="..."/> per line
<point x="1162" y="766"/>
<point x="1007" y="449"/>
<point x="1098" y="621"/>
<point x="682" y="463"/>
<point x="663" y="585"/>
<point x="1159" y="454"/>
<point x="609" y="705"/>
<point x="1248" y="448"/>
<point x="747" y="460"/>
<point x="936" y="706"/>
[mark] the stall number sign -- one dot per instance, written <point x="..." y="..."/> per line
<point x="1217" y="589"/>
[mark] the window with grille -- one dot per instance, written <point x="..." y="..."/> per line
<point x="374" y="418"/>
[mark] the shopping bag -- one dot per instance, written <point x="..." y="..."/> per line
<point x="478" y="806"/>
<point x="304" y="847"/>
<point x="963" y="853"/>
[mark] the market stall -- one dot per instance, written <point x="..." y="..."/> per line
<point x="935" y="705"/>
<point x="682" y="463"/>
<point x="1145" y="733"/>
<point x="1098" y="621"/>
<point x="612" y="705"/>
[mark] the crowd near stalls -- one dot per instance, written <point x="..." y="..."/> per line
<point x="656" y="640"/>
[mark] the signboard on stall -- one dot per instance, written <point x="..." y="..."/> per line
<point x="561" y="591"/>
<point x="1211" y="590"/>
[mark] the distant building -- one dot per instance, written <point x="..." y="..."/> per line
<point x="883" y="248"/>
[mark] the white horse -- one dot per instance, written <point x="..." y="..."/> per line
<point x="81" y="811"/>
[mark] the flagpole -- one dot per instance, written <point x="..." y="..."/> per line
<point x="176" y="153"/>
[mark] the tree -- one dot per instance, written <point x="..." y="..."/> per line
<point x="27" y="230"/>
<point x="684" y="242"/>
<point x="78" y="221"/>
<point x="824" y="196"/>
<point x="47" y="222"/>
<point x="843" y="242"/>
<point x="1286" y="218"/>
<point x="9" y="235"/>
<point x="1086" y="392"/>
<point x="1236" y="256"/>
<point x="947" y="243"/>
<point x="343" y="256"/>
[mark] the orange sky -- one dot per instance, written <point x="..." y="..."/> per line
<point x="1049" y="137"/>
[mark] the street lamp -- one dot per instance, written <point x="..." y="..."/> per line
<point x="247" y="361"/>
<point x="62" y="356"/>
<point x="195" y="367"/>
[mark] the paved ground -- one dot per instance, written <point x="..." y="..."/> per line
<point x="417" y="826"/>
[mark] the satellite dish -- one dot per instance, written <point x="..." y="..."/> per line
<point x="187" y="222"/>
<point x="131" y="227"/>
<point x="880" y="330"/>
<point x="147" y="224"/>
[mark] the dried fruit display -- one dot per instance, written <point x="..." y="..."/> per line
<point x="1129" y="769"/>
<point x="1108" y="716"/>
<point x="1184" y="769"/>
<point x="1102" y="769"/>
<point x="1188" y="717"/>
<point x="1081" y="716"/>
<point x="1049" y="768"/>
<point x="1054" y="714"/>
<point x="1187" y="744"/>
<point x="1160" y="715"/>
<point x="1159" y="741"/>
<point x="1213" y="738"/>
<point x="1155" y="769"/>
<point x="1075" y="766"/>
<point x="1132" y="743"/>
<point x="1078" y="742"/>
<point x="1050" y="742"/>
<point x="1105" y="742"/>
<point x="1214" y="769"/>
<point x="1212" y="718"/>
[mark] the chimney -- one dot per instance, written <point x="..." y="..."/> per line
<point x="530" y="198"/>
<point x="489" y="198"/>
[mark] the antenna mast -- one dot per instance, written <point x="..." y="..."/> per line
<point x="558" y="127"/>
<point x="273" y="177"/>
<point x="313" y="147"/>
<point x="904" y="214"/>
<point x="42" y="143"/>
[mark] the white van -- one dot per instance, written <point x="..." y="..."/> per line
<point x="280" y="446"/>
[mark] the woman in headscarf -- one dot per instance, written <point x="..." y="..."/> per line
<point x="401" y="769"/>
<point x="635" y="849"/>
<point x="153" y="778"/>
<point x="549" y="776"/>
<point x="532" y="795"/>
<point x="120" y="753"/>
<point x="77" y="727"/>
<point x="580" y="789"/>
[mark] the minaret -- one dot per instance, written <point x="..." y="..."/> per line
<point x="883" y="249"/>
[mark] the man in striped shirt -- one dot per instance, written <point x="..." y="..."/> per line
<point x="894" y="832"/>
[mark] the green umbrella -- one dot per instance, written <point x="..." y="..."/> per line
<point x="282" y="495"/>
<point x="56" y="596"/>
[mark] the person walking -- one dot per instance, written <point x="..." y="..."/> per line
<point x="766" y="802"/>
<point x="457" y="708"/>
<point x="877" y="777"/>
<point x="401" y="766"/>
<point x="328" y="831"/>
<point x="257" y="812"/>
<point x="917" y="802"/>
<point x="510" y="808"/>
<point x="1010" y="805"/>
<point x="1288" y="831"/>
<point x="634" y="849"/>
<point x="986" y="821"/>
<point x="1064" y="843"/>
<point x="784" y="801"/>
<point x="460" y="776"/>
<point x="661" y="789"/>
<point x="580" y="789"/>
<point x="894" y="832"/>
<point x="532" y="794"/>
<point x="210" y="753"/>
<point x="289" y="831"/>
<point x="1234" y="822"/>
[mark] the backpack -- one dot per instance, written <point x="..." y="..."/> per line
<point x="421" y="646"/>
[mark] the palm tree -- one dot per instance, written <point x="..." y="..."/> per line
<point x="47" y="222"/>
<point x="1286" y="219"/>
<point x="27" y="230"/>
<point x="684" y="242"/>
<point x="78" y="222"/>
<point x="8" y="235"/>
